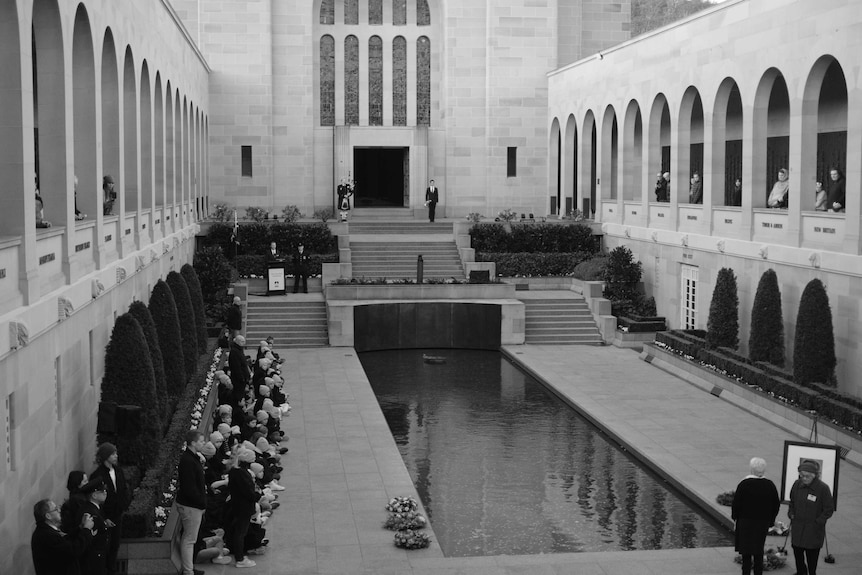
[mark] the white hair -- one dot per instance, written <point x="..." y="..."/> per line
<point x="757" y="465"/>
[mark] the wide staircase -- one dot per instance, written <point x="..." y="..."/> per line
<point x="363" y="228"/>
<point x="396" y="260"/>
<point x="560" y="322"/>
<point x="300" y="323"/>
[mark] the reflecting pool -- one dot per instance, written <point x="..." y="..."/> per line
<point x="504" y="467"/>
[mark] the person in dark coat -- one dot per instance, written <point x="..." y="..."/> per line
<point x="243" y="498"/>
<point x="234" y="317"/>
<point x="811" y="505"/>
<point x="55" y="552"/>
<point x="94" y="559"/>
<point x="432" y="196"/>
<point x="660" y="188"/>
<point x="755" y="507"/>
<point x="117" y="501"/>
<point x="69" y="509"/>
<point x="191" y="498"/>
<point x="300" y="269"/>
<point x="239" y="373"/>
<point x="835" y="200"/>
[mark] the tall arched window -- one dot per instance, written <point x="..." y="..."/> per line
<point x="423" y="14"/>
<point x="375" y="81"/>
<point x="399" y="81"/>
<point x="351" y="11"/>
<point x="327" y="12"/>
<point x="375" y="12"/>
<point x="399" y="12"/>
<point x="423" y="81"/>
<point x="351" y="80"/>
<point x="327" y="81"/>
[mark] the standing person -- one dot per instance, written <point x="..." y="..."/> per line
<point x="778" y="195"/>
<point x="755" y="507"/>
<point x="431" y="199"/>
<point x="300" y="269"/>
<point x="837" y="191"/>
<point x="695" y="194"/>
<point x="117" y="499"/>
<point x="234" y="317"/>
<point x="660" y="188"/>
<point x="666" y="177"/>
<point x="55" y="552"/>
<point x="819" y="197"/>
<point x="242" y="504"/>
<point x="94" y="559"/>
<point x="191" y="498"/>
<point x="736" y="193"/>
<point x="110" y="196"/>
<point x="811" y="505"/>
<point x="272" y="253"/>
<point x="239" y="374"/>
<point x="344" y="193"/>
<point x="69" y="510"/>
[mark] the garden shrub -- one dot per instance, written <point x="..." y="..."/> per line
<point x="766" y="340"/>
<point x="194" y="286"/>
<point x="291" y="213"/>
<point x="129" y="380"/>
<point x="621" y="276"/>
<point x="186" y="317"/>
<point x="214" y="274"/>
<point x="164" y="311"/>
<point x="722" y="327"/>
<point x="814" y="344"/>
<point x="255" y="213"/>
<point x="139" y="311"/>
<point x="534" y="264"/>
<point x="324" y="214"/>
<point x="591" y="270"/>
<point x="534" y="238"/>
<point x="256" y="237"/>
<point x="254" y="265"/>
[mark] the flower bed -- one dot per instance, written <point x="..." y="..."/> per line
<point x="843" y="410"/>
<point x="534" y="264"/>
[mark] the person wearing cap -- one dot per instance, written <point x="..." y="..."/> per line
<point x="117" y="500"/>
<point x="234" y="317"/>
<point x="811" y="505"/>
<point x="754" y="509"/>
<point x="300" y="269"/>
<point x="191" y="498"/>
<point x="53" y="550"/>
<point x="110" y="196"/>
<point x="94" y="559"/>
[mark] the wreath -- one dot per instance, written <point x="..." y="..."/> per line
<point x="408" y="520"/>
<point x="772" y="559"/>
<point x="725" y="498"/>
<point x="402" y="505"/>
<point x="411" y="539"/>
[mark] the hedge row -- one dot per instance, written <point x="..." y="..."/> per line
<point x="826" y="401"/>
<point x="254" y="238"/>
<point x="642" y="325"/>
<point x="534" y="264"/>
<point x="248" y="265"/>
<point x="533" y="238"/>
<point x="139" y="519"/>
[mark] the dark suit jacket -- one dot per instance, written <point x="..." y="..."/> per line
<point x="239" y="375"/>
<point x="234" y="317"/>
<point x="432" y="195"/>
<point x="242" y="493"/>
<point x="55" y="553"/>
<point x="300" y="263"/>
<point x="191" y="488"/>
<point x="118" y="497"/>
<point x="93" y="561"/>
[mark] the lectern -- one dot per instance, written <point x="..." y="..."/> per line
<point x="275" y="277"/>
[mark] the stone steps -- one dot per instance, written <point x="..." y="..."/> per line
<point x="560" y="322"/>
<point x="292" y="324"/>
<point x="377" y="259"/>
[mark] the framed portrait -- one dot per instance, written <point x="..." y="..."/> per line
<point x="825" y="456"/>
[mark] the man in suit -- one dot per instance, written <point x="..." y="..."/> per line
<point x="191" y="498"/>
<point x="234" y="317"/>
<point x="431" y="199"/>
<point x="300" y="269"/>
<point x="55" y="552"/>
<point x="272" y="253"/>
<point x="94" y="559"/>
<point x="117" y="499"/>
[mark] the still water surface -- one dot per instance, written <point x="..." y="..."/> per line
<point x="505" y="467"/>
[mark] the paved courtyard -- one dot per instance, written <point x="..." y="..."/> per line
<point x="343" y="467"/>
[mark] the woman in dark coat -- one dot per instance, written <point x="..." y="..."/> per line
<point x="811" y="505"/>
<point x="242" y="504"/>
<point x="755" y="507"/>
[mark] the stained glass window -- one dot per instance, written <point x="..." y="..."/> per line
<point x="399" y="12"/>
<point x="423" y="14"/>
<point x="327" y="12"/>
<point x="375" y="81"/>
<point x="351" y="11"/>
<point x="399" y="81"/>
<point x="351" y="80"/>
<point x="327" y="81"/>
<point x="423" y="81"/>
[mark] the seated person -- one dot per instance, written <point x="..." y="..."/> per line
<point x="778" y="195"/>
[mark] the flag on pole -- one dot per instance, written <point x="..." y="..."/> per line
<point x="234" y="237"/>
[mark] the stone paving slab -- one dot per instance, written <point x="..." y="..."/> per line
<point x="343" y="466"/>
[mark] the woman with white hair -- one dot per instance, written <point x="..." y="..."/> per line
<point x="755" y="507"/>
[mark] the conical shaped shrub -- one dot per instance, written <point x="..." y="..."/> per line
<point x="814" y="344"/>
<point x="186" y="315"/>
<point x="191" y="276"/>
<point x="722" y="327"/>
<point x="766" y="340"/>
<point x="129" y="380"/>
<point x="164" y="312"/>
<point x="140" y="312"/>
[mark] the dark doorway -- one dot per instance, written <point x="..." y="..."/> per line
<point x="381" y="177"/>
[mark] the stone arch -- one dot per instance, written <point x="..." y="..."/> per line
<point x="824" y="125"/>
<point x="84" y="115"/>
<point x="159" y="142"/>
<point x="555" y="163"/>
<point x="610" y="154"/>
<point x="147" y="190"/>
<point x="658" y="153"/>
<point x="130" y="134"/>
<point x="570" y="163"/>
<point x="14" y="171"/>
<point x="178" y="157"/>
<point x="49" y="109"/>
<point x="689" y="142"/>
<point x="588" y="159"/>
<point x="170" y="177"/>
<point x="110" y="112"/>
<point x="186" y="173"/>
<point x="727" y="144"/>
<point x="633" y="152"/>
<point x="771" y="135"/>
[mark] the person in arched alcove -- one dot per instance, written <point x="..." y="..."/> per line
<point x="110" y="195"/>
<point x="660" y="188"/>
<point x="778" y="195"/>
<point x="837" y="191"/>
<point x="695" y="194"/>
<point x="736" y="193"/>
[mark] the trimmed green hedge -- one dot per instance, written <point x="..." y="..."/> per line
<point x="191" y="276"/>
<point x="248" y="265"/>
<point x="186" y="317"/>
<point x="533" y="238"/>
<point x="534" y="264"/>
<point x="642" y="324"/>
<point x="164" y="311"/>
<point x="254" y="238"/>
<point x="140" y="312"/>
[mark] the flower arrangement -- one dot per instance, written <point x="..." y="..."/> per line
<point x="410" y="539"/>
<point x="290" y="213"/>
<point x="402" y="505"/>
<point x="408" y="520"/>
<point x="507" y="215"/>
<point x="780" y="529"/>
<point x="772" y="558"/>
<point x="474" y="217"/>
<point x="725" y="498"/>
